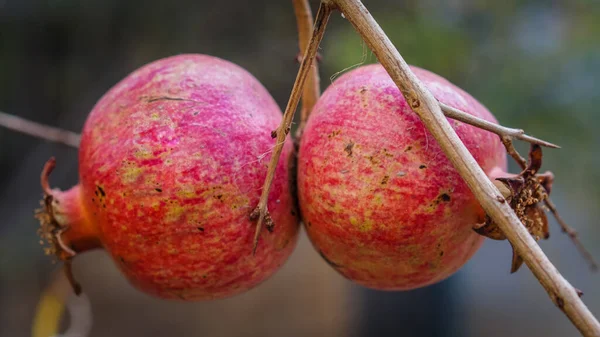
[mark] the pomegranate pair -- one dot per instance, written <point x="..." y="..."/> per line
<point x="172" y="160"/>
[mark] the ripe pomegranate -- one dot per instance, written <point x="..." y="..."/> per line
<point x="171" y="162"/>
<point x="378" y="197"/>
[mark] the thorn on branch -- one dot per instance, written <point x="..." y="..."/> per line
<point x="502" y="131"/>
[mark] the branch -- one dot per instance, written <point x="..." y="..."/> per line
<point x="430" y="113"/>
<point x="572" y="233"/>
<point x="500" y="130"/>
<point x="39" y="130"/>
<point x="55" y="298"/>
<point x="312" y="90"/>
<point x="260" y="213"/>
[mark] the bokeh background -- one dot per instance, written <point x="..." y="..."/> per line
<point x="535" y="64"/>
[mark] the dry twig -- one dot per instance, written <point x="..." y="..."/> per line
<point x="428" y="109"/>
<point x="500" y="130"/>
<point x="39" y="130"/>
<point x="260" y="213"/>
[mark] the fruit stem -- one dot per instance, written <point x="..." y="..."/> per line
<point x="39" y="130"/>
<point x="260" y="212"/>
<point x="312" y="91"/>
<point x="422" y="102"/>
<point x="63" y="223"/>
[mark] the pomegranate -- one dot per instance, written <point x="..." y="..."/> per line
<point x="171" y="162"/>
<point x="379" y="199"/>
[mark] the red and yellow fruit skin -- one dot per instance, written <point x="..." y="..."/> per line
<point x="172" y="161"/>
<point x="379" y="199"/>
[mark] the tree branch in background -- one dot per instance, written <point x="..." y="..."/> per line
<point x="39" y="130"/>
<point x="312" y="90"/>
<point x="57" y="297"/>
<point x="428" y="109"/>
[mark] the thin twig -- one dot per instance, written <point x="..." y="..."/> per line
<point x="312" y="90"/>
<point x="500" y="130"/>
<point x="510" y="149"/>
<point x="260" y="212"/>
<point x="427" y="108"/>
<point x="570" y="231"/>
<point x="39" y="130"/>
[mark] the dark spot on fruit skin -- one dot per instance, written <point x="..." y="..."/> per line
<point x="200" y="229"/>
<point x="333" y="134"/>
<point x="373" y="160"/>
<point x="385" y="180"/>
<point x="309" y="224"/>
<point x="444" y="197"/>
<point x="220" y="196"/>
<point x="442" y="253"/>
<point x="422" y="166"/>
<point x="122" y="259"/>
<point x="408" y="148"/>
<point x="158" y="190"/>
<point x="348" y="148"/>
<point x="274" y="134"/>
<point x="101" y="191"/>
<point x="329" y="262"/>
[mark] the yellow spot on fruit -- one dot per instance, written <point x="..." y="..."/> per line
<point x="142" y="153"/>
<point x="174" y="213"/>
<point x="186" y="193"/>
<point x="130" y="174"/>
<point x="367" y="225"/>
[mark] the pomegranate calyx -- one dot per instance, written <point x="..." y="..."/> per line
<point x="525" y="193"/>
<point x="51" y="230"/>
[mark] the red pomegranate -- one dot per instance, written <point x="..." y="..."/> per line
<point x="379" y="199"/>
<point x="171" y="163"/>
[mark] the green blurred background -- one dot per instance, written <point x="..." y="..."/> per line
<point x="535" y="64"/>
